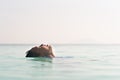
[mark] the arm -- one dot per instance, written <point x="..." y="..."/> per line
<point x="51" y="51"/>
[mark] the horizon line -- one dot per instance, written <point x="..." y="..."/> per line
<point x="61" y="43"/>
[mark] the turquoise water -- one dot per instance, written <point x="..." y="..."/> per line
<point x="72" y="62"/>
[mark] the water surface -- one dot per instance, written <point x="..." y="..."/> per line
<point x="72" y="62"/>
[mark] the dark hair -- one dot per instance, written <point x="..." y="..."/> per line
<point x="32" y="53"/>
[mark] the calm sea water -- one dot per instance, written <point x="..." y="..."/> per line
<point x="72" y="62"/>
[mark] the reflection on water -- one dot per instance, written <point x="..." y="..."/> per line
<point x="74" y="62"/>
<point x="41" y="59"/>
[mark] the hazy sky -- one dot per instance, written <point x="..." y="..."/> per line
<point x="59" y="21"/>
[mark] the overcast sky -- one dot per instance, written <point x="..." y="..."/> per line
<point x="60" y="21"/>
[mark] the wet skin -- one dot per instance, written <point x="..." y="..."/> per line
<point x="43" y="51"/>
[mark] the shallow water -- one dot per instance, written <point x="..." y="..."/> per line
<point x="72" y="62"/>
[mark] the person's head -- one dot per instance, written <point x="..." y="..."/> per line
<point x="41" y="51"/>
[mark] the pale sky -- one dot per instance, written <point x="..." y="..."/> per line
<point x="60" y="21"/>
